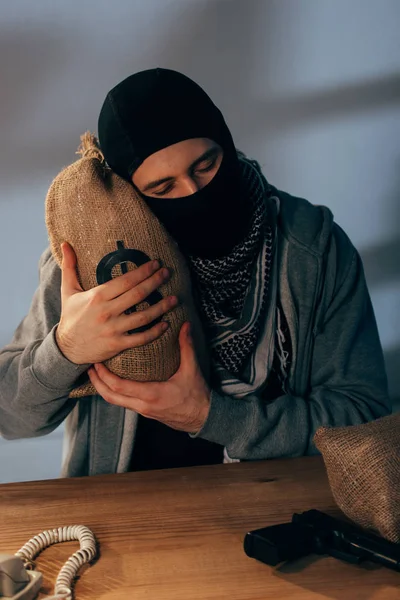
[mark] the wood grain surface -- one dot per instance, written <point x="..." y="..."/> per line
<point x="179" y="534"/>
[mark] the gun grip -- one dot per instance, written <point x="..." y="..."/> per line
<point x="278" y="543"/>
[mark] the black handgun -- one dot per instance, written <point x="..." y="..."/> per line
<point x="314" y="532"/>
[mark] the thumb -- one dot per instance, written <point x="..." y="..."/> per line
<point x="188" y="353"/>
<point x="69" y="278"/>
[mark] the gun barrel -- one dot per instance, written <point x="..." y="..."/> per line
<point x="339" y="537"/>
<point x="372" y="548"/>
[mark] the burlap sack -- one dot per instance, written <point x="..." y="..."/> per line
<point x="102" y="217"/>
<point x="363" y="465"/>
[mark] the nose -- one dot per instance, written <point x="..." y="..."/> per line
<point x="190" y="186"/>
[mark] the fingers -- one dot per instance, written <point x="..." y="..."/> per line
<point x="136" y="340"/>
<point x="145" y="317"/>
<point x="69" y="278"/>
<point x="127" y="282"/>
<point x="147" y="391"/>
<point x="112" y="396"/>
<point x="138" y="292"/>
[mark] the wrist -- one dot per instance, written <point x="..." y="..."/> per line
<point x="203" y="413"/>
<point x="63" y="346"/>
<point x="206" y="407"/>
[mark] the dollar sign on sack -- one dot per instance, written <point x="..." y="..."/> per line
<point x="121" y="256"/>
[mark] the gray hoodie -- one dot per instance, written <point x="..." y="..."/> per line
<point x="337" y="373"/>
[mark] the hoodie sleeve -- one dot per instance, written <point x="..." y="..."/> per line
<point x="347" y="383"/>
<point x="35" y="377"/>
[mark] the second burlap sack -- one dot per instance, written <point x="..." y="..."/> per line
<point x="363" y="466"/>
<point x="109" y="225"/>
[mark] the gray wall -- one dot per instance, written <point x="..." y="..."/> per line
<point x="310" y="88"/>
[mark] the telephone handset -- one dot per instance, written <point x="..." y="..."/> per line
<point x="19" y="580"/>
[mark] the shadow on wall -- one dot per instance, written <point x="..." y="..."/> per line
<point x="44" y="61"/>
<point x="382" y="267"/>
<point x="219" y="48"/>
<point x="37" y="58"/>
<point x="214" y="42"/>
<point x="329" y="103"/>
<point x="382" y="264"/>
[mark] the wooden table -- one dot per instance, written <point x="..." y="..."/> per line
<point x="178" y="534"/>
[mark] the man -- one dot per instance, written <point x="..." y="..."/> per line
<point x="281" y="293"/>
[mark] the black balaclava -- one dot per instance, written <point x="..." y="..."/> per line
<point x="152" y="110"/>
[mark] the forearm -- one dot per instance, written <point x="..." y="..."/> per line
<point x="35" y="385"/>
<point x="253" y="429"/>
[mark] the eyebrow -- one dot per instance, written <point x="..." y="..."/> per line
<point x="210" y="153"/>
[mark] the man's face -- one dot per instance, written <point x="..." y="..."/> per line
<point x="179" y="170"/>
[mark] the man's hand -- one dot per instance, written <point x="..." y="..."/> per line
<point x="182" y="402"/>
<point x="93" y="325"/>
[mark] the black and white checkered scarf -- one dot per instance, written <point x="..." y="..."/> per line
<point x="233" y="291"/>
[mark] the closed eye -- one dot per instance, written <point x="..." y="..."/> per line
<point x="208" y="167"/>
<point x="165" y="190"/>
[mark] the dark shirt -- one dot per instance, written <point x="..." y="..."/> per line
<point x="157" y="446"/>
